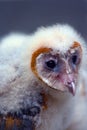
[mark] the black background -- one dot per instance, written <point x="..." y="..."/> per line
<point x="26" y="15"/>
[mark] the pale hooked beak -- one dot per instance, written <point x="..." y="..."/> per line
<point x="72" y="88"/>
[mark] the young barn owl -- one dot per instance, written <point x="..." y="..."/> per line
<point x="39" y="77"/>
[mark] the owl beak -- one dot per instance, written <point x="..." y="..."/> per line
<point x="71" y="87"/>
<point x="70" y="80"/>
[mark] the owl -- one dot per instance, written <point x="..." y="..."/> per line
<point x="40" y="75"/>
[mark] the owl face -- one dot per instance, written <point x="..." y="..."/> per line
<point x="57" y="69"/>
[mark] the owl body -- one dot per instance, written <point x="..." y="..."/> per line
<point x="23" y="77"/>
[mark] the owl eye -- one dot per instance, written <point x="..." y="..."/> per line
<point x="51" y="64"/>
<point x="75" y="59"/>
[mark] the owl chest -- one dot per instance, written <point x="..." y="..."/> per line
<point x="56" y="116"/>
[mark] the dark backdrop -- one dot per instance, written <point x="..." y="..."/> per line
<point x="26" y="15"/>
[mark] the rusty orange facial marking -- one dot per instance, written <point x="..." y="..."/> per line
<point x="35" y="55"/>
<point x="75" y="45"/>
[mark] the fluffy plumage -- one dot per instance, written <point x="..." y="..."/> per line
<point x="21" y="84"/>
<point x="79" y="119"/>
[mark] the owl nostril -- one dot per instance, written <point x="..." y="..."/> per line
<point x="68" y="83"/>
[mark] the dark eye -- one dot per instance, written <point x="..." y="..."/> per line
<point x="74" y="59"/>
<point x="51" y="64"/>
